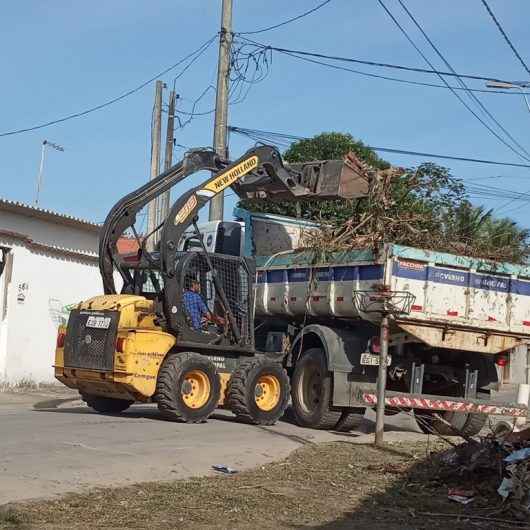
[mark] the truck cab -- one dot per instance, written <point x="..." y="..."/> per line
<point x="221" y="237"/>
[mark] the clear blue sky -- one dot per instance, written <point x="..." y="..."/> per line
<point x="61" y="57"/>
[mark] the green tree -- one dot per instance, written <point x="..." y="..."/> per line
<point x="324" y="146"/>
<point x="332" y="146"/>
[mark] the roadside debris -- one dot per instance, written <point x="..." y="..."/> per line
<point x="461" y="496"/>
<point x="502" y="462"/>
<point x="224" y="469"/>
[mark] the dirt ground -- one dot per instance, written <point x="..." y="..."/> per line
<point x="329" y="486"/>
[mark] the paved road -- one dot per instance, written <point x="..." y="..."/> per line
<point x="50" y="445"/>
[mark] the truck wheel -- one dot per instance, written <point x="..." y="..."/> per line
<point x="188" y="388"/>
<point x="258" y="391"/>
<point x="350" y="419"/>
<point x="105" y="404"/>
<point x="465" y="423"/>
<point x="312" y="391"/>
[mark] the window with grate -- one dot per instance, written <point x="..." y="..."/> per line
<point x="234" y="280"/>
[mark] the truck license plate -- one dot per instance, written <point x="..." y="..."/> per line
<point x="98" y="322"/>
<point x="372" y="359"/>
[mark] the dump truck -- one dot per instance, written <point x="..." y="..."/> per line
<point x="452" y="319"/>
<point x="232" y="314"/>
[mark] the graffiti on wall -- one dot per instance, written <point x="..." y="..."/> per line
<point x="59" y="312"/>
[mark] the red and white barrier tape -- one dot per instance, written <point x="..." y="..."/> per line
<point x="446" y="404"/>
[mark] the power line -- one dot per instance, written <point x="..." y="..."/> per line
<point x="462" y="84"/>
<point x="247" y="69"/>
<point x="113" y="100"/>
<point x="197" y="56"/>
<point x="506" y="38"/>
<point x="288" y="21"/>
<point x="469" y="93"/>
<point x="399" y="80"/>
<point x="374" y="63"/>
<point x="275" y="138"/>
<point x="449" y="157"/>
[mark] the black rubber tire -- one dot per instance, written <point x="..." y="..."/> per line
<point x="242" y="387"/>
<point x="317" y="414"/>
<point x="465" y="423"/>
<point x="171" y="377"/>
<point x="350" y="420"/>
<point x="106" y="405"/>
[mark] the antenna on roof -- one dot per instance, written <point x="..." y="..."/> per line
<point x="45" y="143"/>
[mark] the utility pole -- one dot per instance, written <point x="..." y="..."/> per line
<point x="156" y="134"/>
<point x="168" y="159"/>
<point x="221" y="101"/>
<point x="381" y="381"/>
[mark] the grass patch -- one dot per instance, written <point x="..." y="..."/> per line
<point x="332" y="486"/>
<point x="11" y="517"/>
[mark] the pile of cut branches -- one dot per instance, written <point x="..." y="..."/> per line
<point x="424" y="207"/>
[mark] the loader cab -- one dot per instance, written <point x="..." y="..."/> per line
<point x="221" y="237"/>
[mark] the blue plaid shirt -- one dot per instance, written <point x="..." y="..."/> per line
<point x="195" y="308"/>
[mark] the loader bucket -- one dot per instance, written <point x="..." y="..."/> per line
<point x="323" y="179"/>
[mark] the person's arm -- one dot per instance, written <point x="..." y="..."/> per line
<point x="206" y="313"/>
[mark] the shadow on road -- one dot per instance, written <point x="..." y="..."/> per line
<point x="53" y="403"/>
<point x="150" y="412"/>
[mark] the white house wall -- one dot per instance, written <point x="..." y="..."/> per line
<point x="43" y="283"/>
<point x="41" y="288"/>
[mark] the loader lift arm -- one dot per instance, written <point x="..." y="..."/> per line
<point x="185" y="210"/>
<point x="264" y="163"/>
<point x="123" y="215"/>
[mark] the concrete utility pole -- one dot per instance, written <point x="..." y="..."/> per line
<point x="156" y="134"/>
<point x="168" y="159"/>
<point x="381" y="382"/>
<point x="221" y="101"/>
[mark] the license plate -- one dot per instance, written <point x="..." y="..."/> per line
<point x="98" y="322"/>
<point x="372" y="359"/>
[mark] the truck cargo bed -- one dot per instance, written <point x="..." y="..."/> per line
<point x="489" y="301"/>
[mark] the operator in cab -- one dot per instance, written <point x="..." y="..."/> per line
<point x="196" y="308"/>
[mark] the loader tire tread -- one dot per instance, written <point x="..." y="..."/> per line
<point x="240" y="392"/>
<point x="167" y="391"/>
